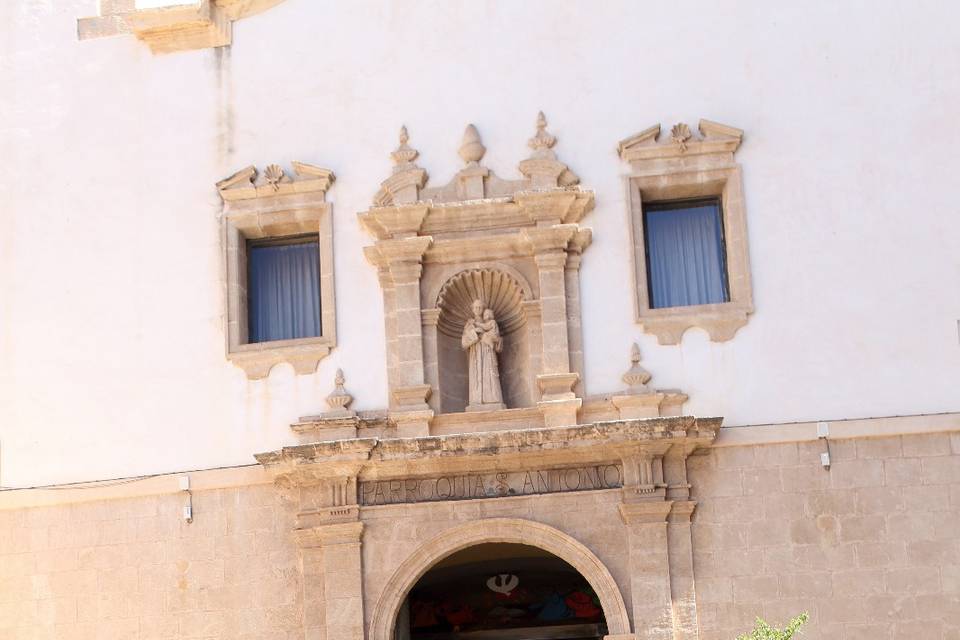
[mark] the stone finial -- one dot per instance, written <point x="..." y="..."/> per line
<point x="404" y="184"/>
<point x="542" y="168"/>
<point x="471" y="149"/>
<point x="636" y="376"/>
<point x="339" y="401"/>
<point x="542" y="142"/>
<point x="404" y="155"/>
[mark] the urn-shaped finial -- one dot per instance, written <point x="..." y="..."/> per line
<point x="404" y="154"/>
<point x="636" y="376"/>
<point x="339" y="400"/>
<point x="541" y="141"/>
<point x="471" y="149"/>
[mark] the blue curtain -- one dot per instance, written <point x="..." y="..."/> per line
<point x="685" y="255"/>
<point x="283" y="291"/>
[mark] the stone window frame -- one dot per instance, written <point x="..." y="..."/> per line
<point x="276" y="206"/>
<point x="175" y="26"/>
<point x="681" y="168"/>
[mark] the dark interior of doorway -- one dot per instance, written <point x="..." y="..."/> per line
<point x="499" y="591"/>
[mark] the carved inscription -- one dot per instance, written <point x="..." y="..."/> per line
<point x="490" y="485"/>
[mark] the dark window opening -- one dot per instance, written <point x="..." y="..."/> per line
<point x="283" y="288"/>
<point x="685" y="253"/>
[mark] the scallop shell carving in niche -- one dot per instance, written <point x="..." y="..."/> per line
<point x="496" y="289"/>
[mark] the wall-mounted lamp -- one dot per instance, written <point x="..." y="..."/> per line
<point x="187" y="508"/>
<point x="823" y="431"/>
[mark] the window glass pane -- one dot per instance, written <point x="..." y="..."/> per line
<point x="686" y="262"/>
<point x="283" y="295"/>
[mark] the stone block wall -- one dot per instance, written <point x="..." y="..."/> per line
<point x="870" y="548"/>
<point x="133" y="569"/>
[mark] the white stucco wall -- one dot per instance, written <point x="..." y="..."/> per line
<point x="111" y="330"/>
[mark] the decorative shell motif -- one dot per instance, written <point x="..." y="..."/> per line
<point x="680" y="133"/>
<point x="273" y="175"/>
<point x="497" y="290"/>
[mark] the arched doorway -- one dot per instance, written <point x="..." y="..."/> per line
<point x="503" y="591"/>
<point x="389" y="604"/>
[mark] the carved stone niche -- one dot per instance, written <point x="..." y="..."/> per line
<point x="515" y="246"/>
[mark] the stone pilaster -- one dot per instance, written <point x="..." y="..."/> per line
<point x="332" y="580"/>
<point x="431" y="359"/>
<point x="682" y="592"/>
<point x="400" y="264"/>
<point x="650" y="588"/>
<point x="571" y="276"/>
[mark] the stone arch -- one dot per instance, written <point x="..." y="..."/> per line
<point x="510" y="530"/>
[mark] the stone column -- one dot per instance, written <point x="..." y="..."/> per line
<point x="332" y="581"/>
<point x="431" y="357"/>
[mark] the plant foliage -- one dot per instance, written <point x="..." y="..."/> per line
<point x="763" y="631"/>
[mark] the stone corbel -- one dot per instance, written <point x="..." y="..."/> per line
<point x="643" y="477"/>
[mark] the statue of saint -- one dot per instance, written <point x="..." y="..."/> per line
<point x="482" y="342"/>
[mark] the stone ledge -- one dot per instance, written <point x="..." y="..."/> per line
<point x="258" y="359"/>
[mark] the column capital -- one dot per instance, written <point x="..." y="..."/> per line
<point x="650" y="511"/>
<point x="329" y="534"/>
<point x="549" y="239"/>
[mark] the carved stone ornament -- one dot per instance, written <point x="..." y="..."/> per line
<point x="275" y="204"/>
<point x="679" y="168"/>
<point x="513" y="245"/>
<point x="339" y="400"/>
<point x="178" y="27"/>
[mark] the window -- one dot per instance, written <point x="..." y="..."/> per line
<point x="688" y="226"/>
<point x="278" y="242"/>
<point x="686" y="261"/>
<point x="283" y="289"/>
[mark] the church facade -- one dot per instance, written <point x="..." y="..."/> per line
<point x="473" y="373"/>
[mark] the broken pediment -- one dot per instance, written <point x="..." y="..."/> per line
<point x="542" y="170"/>
<point x="714" y="138"/>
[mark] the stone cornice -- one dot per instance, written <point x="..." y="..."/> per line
<point x="305" y="464"/>
<point x="329" y="534"/>
<point x="523" y="210"/>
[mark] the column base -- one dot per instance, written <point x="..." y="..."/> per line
<point x="559" y="413"/>
<point x="412" y="424"/>
<point x="644" y="405"/>
<point x="486" y="406"/>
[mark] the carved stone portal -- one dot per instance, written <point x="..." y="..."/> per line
<point x="514" y="246"/>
